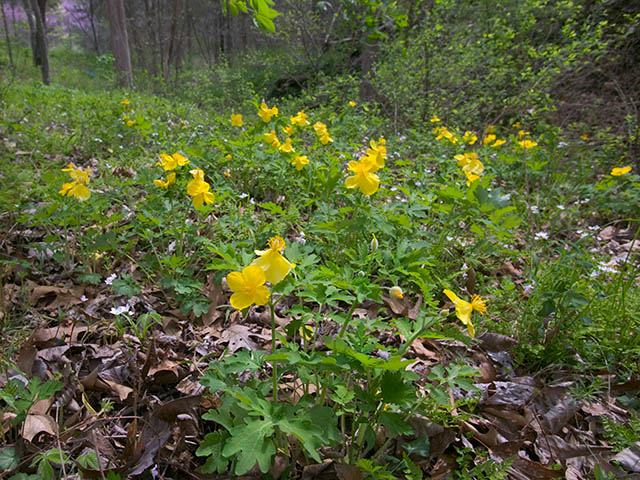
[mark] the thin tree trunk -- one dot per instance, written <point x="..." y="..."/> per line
<point x="119" y="43"/>
<point x="41" y="39"/>
<point x="6" y="32"/>
<point x="173" y="31"/>
<point x="96" y="44"/>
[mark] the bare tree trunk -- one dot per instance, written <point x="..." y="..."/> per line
<point x="92" y="15"/>
<point x="41" y="52"/>
<point x="119" y="43"/>
<point x="173" y="30"/>
<point x="6" y="32"/>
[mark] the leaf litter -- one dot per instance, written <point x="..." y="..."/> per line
<point x="137" y="402"/>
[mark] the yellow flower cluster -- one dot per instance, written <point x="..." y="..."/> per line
<point x="272" y="139"/>
<point x="443" y="132"/>
<point x="322" y="132"/>
<point x="78" y="187"/>
<point x="300" y="119"/>
<point x="249" y="284"/>
<point x="265" y="113"/>
<point x="170" y="162"/>
<point x="471" y="166"/>
<point x="199" y="189"/>
<point x="236" y="120"/>
<point x="364" y="169"/>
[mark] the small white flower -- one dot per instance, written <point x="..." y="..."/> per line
<point x="594" y="228"/>
<point x="243" y="195"/>
<point x="542" y="236"/>
<point x="109" y="280"/>
<point x="83" y="298"/>
<point x="99" y="140"/>
<point x="561" y="207"/>
<point x="534" y="209"/>
<point x="120" y="310"/>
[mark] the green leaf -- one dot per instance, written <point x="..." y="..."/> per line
<point x="251" y="443"/>
<point x="9" y="458"/>
<point x="419" y="446"/>
<point x="211" y="446"/>
<point x="396" y="424"/>
<point x="394" y="389"/>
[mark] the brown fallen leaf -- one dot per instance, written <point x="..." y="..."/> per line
<point x="35" y="424"/>
<point x="237" y="337"/>
<point x="629" y="458"/>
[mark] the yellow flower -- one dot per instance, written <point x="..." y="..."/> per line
<point x="275" y="266"/>
<point x="171" y="162"/>
<point x="396" y="292"/>
<point x="499" y="142"/>
<point x="443" y="132"/>
<point x="171" y="179"/>
<point x="488" y="139"/>
<point x="527" y="144"/>
<point x="490" y="129"/>
<point x="471" y="177"/>
<point x="226" y="172"/>
<point x="471" y="166"/>
<point x="248" y="287"/>
<point x="300" y="162"/>
<point x="585" y="137"/>
<point x="131" y="123"/>
<point x="125" y="102"/>
<point x="319" y="127"/>
<point x="228" y="156"/>
<point x="352" y="103"/>
<point x="616" y="172"/>
<point x="435" y="119"/>
<point x="286" y="147"/>
<point x="325" y="138"/>
<point x="272" y="138"/>
<point x="79" y="175"/>
<point x="199" y="189"/>
<point x="516" y="125"/>
<point x="236" y="120"/>
<point x="77" y="188"/>
<point x="288" y="130"/>
<point x="522" y="133"/>
<point x="464" y="309"/>
<point x="469" y="137"/>
<point x="126" y="117"/>
<point x="377" y="153"/>
<point x="363" y="179"/>
<point x="300" y="119"/>
<point x="266" y="113"/>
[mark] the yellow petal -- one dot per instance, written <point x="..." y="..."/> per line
<point x="235" y="280"/>
<point x="241" y="300"/>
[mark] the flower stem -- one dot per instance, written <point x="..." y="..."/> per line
<point x="274" y="365"/>
<point x="348" y="319"/>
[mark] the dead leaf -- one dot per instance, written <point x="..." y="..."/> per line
<point x="629" y="458"/>
<point x="558" y="416"/>
<point x="607" y="233"/>
<point x="169" y="411"/>
<point x="494" y="342"/>
<point x="35" y="424"/>
<point x="237" y="337"/>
